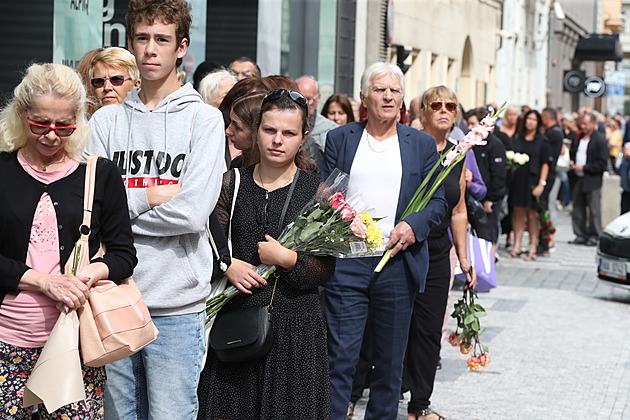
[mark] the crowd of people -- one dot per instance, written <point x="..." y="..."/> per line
<point x="235" y="157"/>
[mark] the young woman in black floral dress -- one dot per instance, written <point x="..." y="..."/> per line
<point x="292" y="380"/>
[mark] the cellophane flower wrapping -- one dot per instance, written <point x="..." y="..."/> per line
<point x="337" y="221"/>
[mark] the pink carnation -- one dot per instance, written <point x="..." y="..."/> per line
<point x="358" y="227"/>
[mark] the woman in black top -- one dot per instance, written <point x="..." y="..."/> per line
<point x="438" y="110"/>
<point x="292" y="380"/>
<point x="528" y="182"/>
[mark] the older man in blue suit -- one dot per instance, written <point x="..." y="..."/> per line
<point x="387" y="162"/>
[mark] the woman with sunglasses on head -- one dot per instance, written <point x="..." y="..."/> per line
<point x="113" y="73"/>
<point x="291" y="381"/>
<point x="528" y="182"/>
<point x="43" y="137"/>
<point x="438" y="112"/>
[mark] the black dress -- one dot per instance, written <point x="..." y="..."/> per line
<point x="292" y="381"/>
<point x="526" y="177"/>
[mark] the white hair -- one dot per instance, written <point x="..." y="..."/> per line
<point x="209" y="85"/>
<point x="380" y="68"/>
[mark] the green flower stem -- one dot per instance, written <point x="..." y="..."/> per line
<point x="422" y="196"/>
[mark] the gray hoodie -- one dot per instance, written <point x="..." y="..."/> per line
<point x="180" y="141"/>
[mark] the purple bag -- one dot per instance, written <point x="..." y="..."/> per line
<point x="480" y="256"/>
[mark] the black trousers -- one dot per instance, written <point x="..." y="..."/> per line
<point x="425" y="333"/>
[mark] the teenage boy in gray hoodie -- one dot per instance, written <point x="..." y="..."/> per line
<point x="169" y="147"/>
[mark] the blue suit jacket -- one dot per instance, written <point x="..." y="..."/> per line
<point x="418" y="154"/>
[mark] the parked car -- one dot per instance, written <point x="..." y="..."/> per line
<point x="613" y="252"/>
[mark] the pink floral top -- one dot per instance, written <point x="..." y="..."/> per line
<point x="27" y="318"/>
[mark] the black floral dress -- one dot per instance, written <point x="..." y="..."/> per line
<point x="292" y="381"/>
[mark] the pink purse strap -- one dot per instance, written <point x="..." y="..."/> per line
<point x="88" y="197"/>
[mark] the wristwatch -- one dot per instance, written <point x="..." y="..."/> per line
<point x="543" y="183"/>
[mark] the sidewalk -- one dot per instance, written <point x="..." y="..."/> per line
<point x="558" y="339"/>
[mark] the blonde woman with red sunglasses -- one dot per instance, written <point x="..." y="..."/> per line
<point x="43" y="137"/>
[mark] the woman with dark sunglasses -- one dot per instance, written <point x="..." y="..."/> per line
<point x="113" y="73"/>
<point x="438" y="112"/>
<point x="291" y="381"/>
<point x="43" y="138"/>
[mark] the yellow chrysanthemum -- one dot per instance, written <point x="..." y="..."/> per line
<point x="90" y="387"/>
<point x="17" y="359"/>
<point x="373" y="234"/>
<point x="3" y="379"/>
<point x="13" y="410"/>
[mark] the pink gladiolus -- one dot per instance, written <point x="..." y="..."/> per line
<point x="347" y="213"/>
<point x="449" y="157"/>
<point x="489" y="121"/>
<point x="358" y="227"/>
<point x="337" y="200"/>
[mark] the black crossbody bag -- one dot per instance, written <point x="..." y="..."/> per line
<point x="246" y="334"/>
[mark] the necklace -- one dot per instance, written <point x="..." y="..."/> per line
<point x="282" y="185"/>
<point x="42" y="168"/>
<point x="377" y="146"/>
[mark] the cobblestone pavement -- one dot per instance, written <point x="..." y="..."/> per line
<point x="557" y="340"/>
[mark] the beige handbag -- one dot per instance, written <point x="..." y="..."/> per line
<point x="114" y="323"/>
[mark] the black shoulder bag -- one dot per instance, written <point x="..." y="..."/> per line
<point x="246" y="334"/>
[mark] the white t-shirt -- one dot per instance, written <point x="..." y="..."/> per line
<point x="377" y="173"/>
<point x="580" y="155"/>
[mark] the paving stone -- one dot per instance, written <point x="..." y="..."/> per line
<point x="558" y="339"/>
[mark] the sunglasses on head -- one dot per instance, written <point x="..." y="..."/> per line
<point x="437" y="105"/>
<point x="296" y="97"/>
<point x="118" y="80"/>
<point x="43" y="129"/>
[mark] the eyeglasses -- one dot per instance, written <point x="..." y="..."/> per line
<point x="437" y="105"/>
<point x="118" y="80"/>
<point x="42" y="129"/>
<point x="296" y="97"/>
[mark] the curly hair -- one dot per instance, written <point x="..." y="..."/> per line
<point x="166" y="11"/>
<point x="54" y="80"/>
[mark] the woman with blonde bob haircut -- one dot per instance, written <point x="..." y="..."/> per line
<point x="43" y="136"/>
<point x="439" y="111"/>
<point x="113" y="73"/>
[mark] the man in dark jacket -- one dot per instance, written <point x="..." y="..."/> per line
<point x="589" y="158"/>
<point x="555" y="135"/>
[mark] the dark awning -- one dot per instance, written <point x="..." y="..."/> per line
<point x="599" y="47"/>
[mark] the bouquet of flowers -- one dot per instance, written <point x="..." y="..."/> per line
<point x="466" y="336"/>
<point x="515" y="160"/>
<point x="475" y="137"/>
<point x="332" y="223"/>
